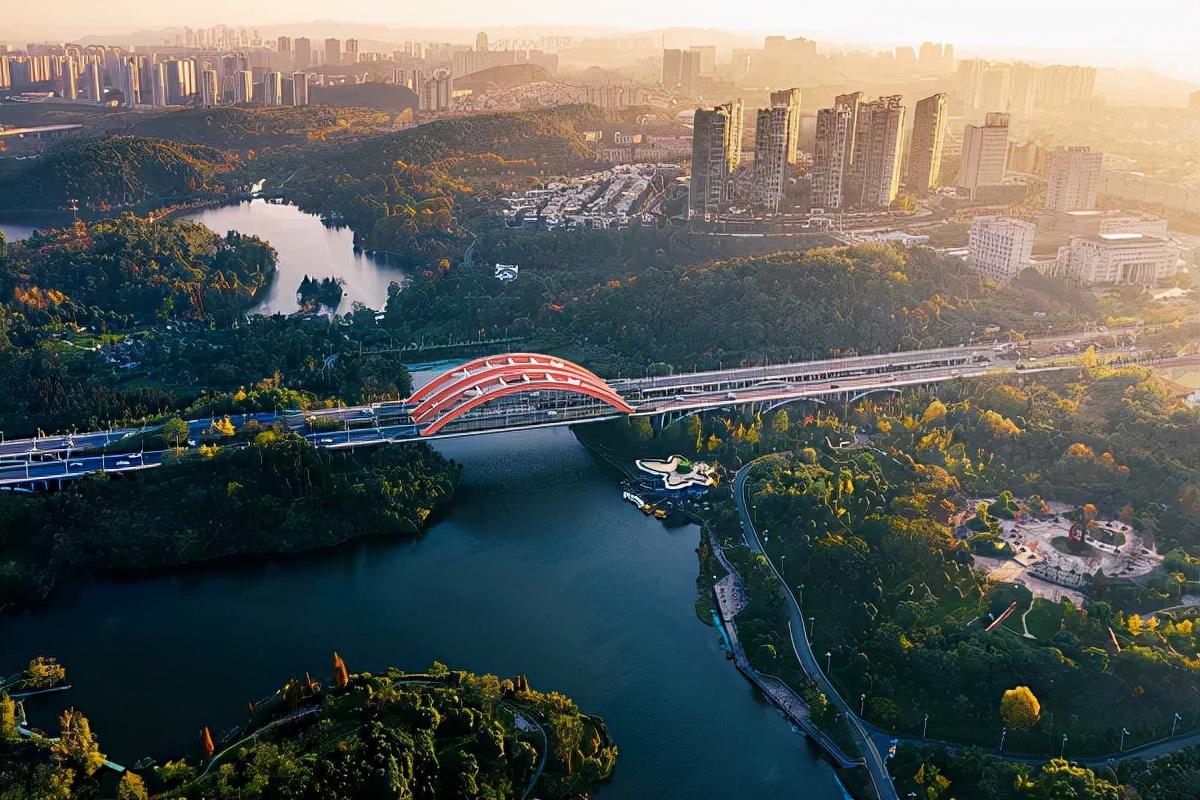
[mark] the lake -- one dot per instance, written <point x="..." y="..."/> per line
<point x="306" y="246"/>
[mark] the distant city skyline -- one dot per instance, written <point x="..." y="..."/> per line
<point x="1159" y="36"/>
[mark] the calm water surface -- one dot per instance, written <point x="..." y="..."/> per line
<point x="305" y="247"/>
<point x="539" y="568"/>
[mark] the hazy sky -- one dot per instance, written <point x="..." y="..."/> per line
<point x="1159" y="32"/>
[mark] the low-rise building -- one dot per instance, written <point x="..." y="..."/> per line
<point x="1115" y="258"/>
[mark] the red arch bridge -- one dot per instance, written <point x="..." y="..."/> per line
<point x="515" y="391"/>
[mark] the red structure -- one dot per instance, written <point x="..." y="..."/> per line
<point x="541" y="384"/>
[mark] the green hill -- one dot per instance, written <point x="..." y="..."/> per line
<point x="114" y="172"/>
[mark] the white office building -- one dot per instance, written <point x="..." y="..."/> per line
<point x="1000" y="247"/>
<point x="1116" y="258"/>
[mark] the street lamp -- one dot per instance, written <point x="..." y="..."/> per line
<point x="812" y="626"/>
<point x="862" y="703"/>
<point x="1124" y="733"/>
<point x="1063" y="749"/>
<point x="828" y="661"/>
<point x="1003" y="733"/>
<point x="925" y="726"/>
<point x="1175" y="723"/>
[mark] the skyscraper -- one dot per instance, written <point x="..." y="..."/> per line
<point x="69" y="81"/>
<point x="984" y="154"/>
<point x="129" y="82"/>
<point x="158" y="84"/>
<point x="210" y="89"/>
<point x="481" y="42"/>
<point x="770" y="154"/>
<point x="734" y="129"/>
<point x="999" y="247"/>
<point x="1071" y="176"/>
<point x="672" y="66"/>
<point x="708" y="59"/>
<point x="299" y="89"/>
<point x="91" y="82"/>
<point x="689" y="69"/>
<point x="333" y="52"/>
<point x="272" y="89"/>
<point x="710" y="170"/>
<point x="929" y="133"/>
<point x="243" y="86"/>
<point x="302" y="56"/>
<point x="878" y="137"/>
<point x="351" y="55"/>
<point x="790" y="99"/>
<point x="831" y="155"/>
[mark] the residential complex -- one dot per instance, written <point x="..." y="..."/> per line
<point x="878" y="137"/>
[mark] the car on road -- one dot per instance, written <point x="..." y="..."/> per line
<point x="75" y="465"/>
<point x="124" y="462"/>
<point x="731" y="395"/>
<point x="325" y="440"/>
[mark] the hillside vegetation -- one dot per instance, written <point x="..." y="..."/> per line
<point x="104" y="174"/>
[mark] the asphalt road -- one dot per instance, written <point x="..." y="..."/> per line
<point x="875" y="762"/>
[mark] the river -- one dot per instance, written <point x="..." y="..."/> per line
<point x="538" y="568"/>
<point x="306" y="247"/>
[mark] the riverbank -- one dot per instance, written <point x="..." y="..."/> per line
<point x="449" y="731"/>
<point x="277" y="496"/>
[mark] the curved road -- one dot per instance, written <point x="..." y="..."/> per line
<point x="875" y="762"/>
<point x="877" y="738"/>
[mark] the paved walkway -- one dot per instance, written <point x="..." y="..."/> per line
<point x="875" y="762"/>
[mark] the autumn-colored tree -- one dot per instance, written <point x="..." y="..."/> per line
<point x="1080" y="450"/>
<point x="224" y="426"/>
<point x="780" y="422"/>
<point x="933" y="412"/>
<point x="8" y="718"/>
<point x="340" y="677"/>
<point x="1126" y="514"/>
<point x="44" y="673"/>
<point x="131" y="787"/>
<point x="1019" y="708"/>
<point x="76" y="746"/>
<point x="206" y="742"/>
<point x="713" y="442"/>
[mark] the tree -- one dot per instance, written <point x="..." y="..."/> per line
<point x="131" y="787"/>
<point x="175" y="431"/>
<point x="76" y="745"/>
<point x="340" y="677"/>
<point x="1060" y="779"/>
<point x="780" y="423"/>
<point x="206" y="742"/>
<point x="45" y="673"/>
<point x="568" y="732"/>
<point x="933" y="412"/>
<point x="8" y="718"/>
<point x="1019" y="709"/>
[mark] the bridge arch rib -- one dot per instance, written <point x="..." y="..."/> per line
<point x="484" y="364"/>
<point x="545" y="389"/>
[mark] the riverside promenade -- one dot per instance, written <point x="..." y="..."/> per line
<point x="731" y="599"/>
